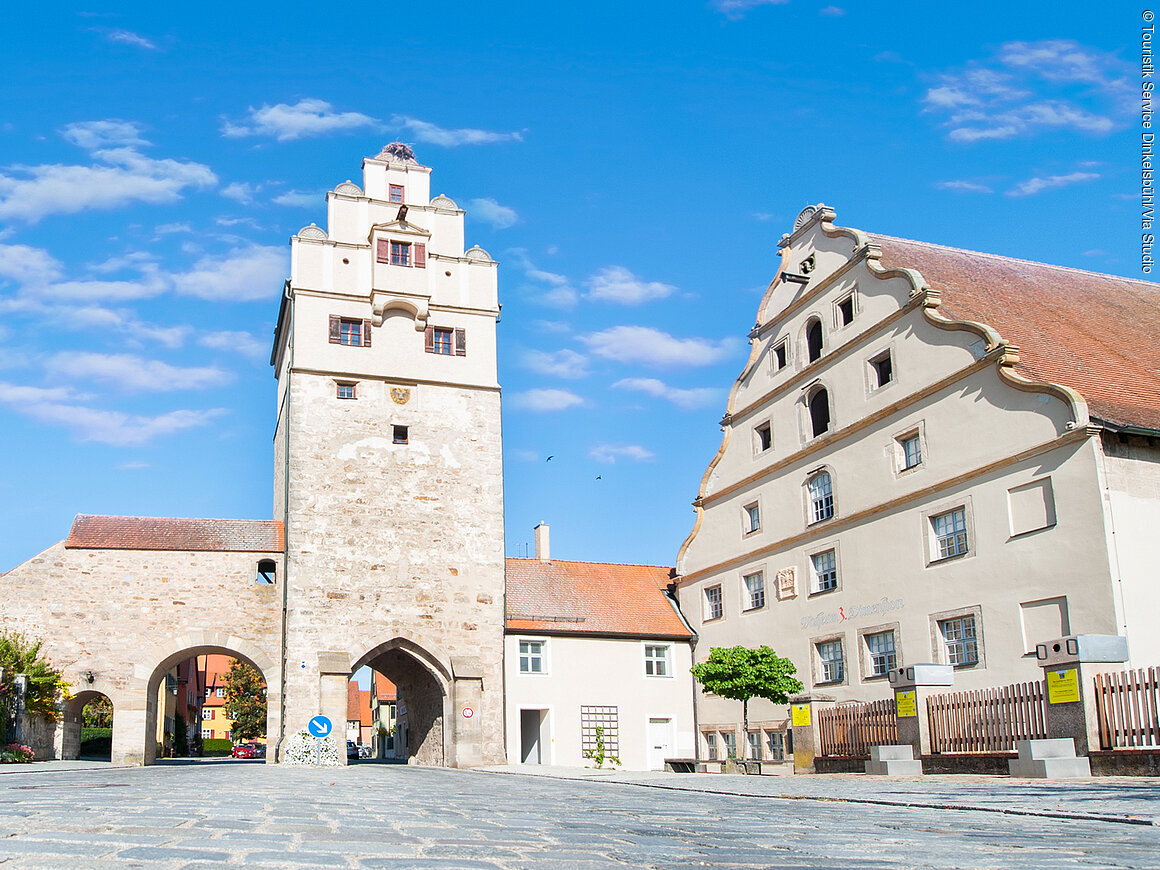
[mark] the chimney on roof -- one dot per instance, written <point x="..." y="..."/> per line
<point x="542" y="552"/>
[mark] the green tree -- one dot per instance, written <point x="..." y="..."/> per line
<point x="20" y="655"/>
<point x="98" y="713"/>
<point x="740" y="673"/>
<point x="245" y="701"/>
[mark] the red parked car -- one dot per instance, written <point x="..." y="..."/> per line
<point x="245" y="750"/>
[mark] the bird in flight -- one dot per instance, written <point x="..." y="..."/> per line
<point x="550" y="458"/>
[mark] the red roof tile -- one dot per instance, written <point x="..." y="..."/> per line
<point x="163" y="533"/>
<point x="1098" y="334"/>
<point x="590" y="598"/>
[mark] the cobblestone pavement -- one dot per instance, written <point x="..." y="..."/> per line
<point x="206" y="815"/>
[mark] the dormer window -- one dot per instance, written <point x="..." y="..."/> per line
<point x="402" y="253"/>
<point x="396" y="193"/>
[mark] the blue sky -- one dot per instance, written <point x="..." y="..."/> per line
<point x="631" y="166"/>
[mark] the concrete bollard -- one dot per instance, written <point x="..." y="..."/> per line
<point x="1069" y="665"/>
<point x="807" y="733"/>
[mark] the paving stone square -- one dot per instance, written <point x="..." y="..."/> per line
<point x="219" y="814"/>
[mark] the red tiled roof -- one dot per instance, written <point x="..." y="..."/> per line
<point x="384" y="688"/>
<point x="1098" y="334"/>
<point x="165" y="533"/>
<point x="352" y="711"/>
<point x="590" y="598"/>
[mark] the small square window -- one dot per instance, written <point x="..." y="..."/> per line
<point x="825" y="565"/>
<point x="781" y="356"/>
<point x="532" y="657"/>
<point x="911" y="451"/>
<point x="400" y="253"/>
<point x="399" y="434"/>
<point x="207" y="733"/>
<point x="846" y="311"/>
<point x="656" y="660"/>
<point x="350" y="332"/>
<point x="881" y="652"/>
<point x="714" y="609"/>
<point x="220" y="691"/>
<point x="950" y="532"/>
<point x="960" y="642"/>
<point x="396" y="193"/>
<point x="207" y="713"/>
<point x="346" y="391"/>
<point x="443" y="341"/>
<point x="752" y="518"/>
<point x="832" y="663"/>
<point x="755" y="591"/>
<point x="881" y="370"/>
<point x="762" y="437"/>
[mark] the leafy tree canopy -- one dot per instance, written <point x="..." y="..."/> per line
<point x="740" y="673"/>
<point x="20" y="655"/>
<point x="245" y="701"/>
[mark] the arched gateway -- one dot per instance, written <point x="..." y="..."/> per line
<point x="386" y="547"/>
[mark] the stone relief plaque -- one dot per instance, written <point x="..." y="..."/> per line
<point x="787" y="583"/>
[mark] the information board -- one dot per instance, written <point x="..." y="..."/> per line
<point x="905" y="704"/>
<point x="1063" y="686"/>
<point x="801" y="715"/>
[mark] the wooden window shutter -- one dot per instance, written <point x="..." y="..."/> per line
<point x="429" y="339"/>
<point x="366" y="333"/>
<point x="384" y="251"/>
<point x="420" y="256"/>
<point x="335" y="329"/>
<point x="461" y="342"/>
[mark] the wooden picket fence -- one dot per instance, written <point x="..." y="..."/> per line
<point x="987" y="720"/>
<point x="852" y="729"/>
<point x="1128" y="709"/>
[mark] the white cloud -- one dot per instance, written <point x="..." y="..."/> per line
<point x="243" y="275"/>
<point x="609" y="453"/>
<point x="561" y="363"/>
<point x="1038" y="185"/>
<point x="735" y="10"/>
<point x="963" y="187"/>
<point x="617" y="284"/>
<point x="132" y="465"/>
<point x="30" y="193"/>
<point x="128" y="37"/>
<point x="236" y="341"/>
<point x="299" y="198"/>
<point x="1030" y="88"/>
<point x="240" y="191"/>
<point x="545" y="400"/>
<point x="425" y="131"/>
<point x="688" y="399"/>
<point x="15" y="394"/>
<point x="832" y="11"/>
<point x="169" y="229"/>
<point x="307" y="117"/>
<point x="488" y="210"/>
<point x="561" y="293"/>
<point x="27" y="265"/>
<point x="94" y="135"/>
<point x="525" y="455"/>
<point x="643" y="344"/>
<point x="131" y="372"/>
<point x="114" y="427"/>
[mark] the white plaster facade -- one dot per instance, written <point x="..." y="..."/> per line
<point x="1044" y="530"/>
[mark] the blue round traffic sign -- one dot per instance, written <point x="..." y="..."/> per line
<point x="319" y="726"/>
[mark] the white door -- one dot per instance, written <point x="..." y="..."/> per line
<point x="660" y="742"/>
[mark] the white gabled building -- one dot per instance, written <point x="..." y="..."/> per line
<point x="931" y="455"/>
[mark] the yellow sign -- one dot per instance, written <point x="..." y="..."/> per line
<point x="801" y="715"/>
<point x="1063" y="686"/>
<point x="905" y="705"/>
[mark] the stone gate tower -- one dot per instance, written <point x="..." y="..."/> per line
<point x="388" y="471"/>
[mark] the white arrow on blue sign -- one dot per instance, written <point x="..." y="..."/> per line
<point x="319" y="726"/>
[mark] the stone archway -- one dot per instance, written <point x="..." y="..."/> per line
<point x="71" y="723"/>
<point x="134" y="732"/>
<point x="424" y="684"/>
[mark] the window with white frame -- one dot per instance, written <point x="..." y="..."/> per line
<point x="844" y="313"/>
<point x="220" y="692"/>
<point x="762" y="437"/>
<point x="825" y="570"/>
<point x="831" y="662"/>
<point x="714" y="608"/>
<point x="346" y="391"/>
<point x="711" y="745"/>
<point x="395" y="193"/>
<point x="753" y="741"/>
<point x="821" y="492"/>
<point x="729" y="738"/>
<point x="754" y="590"/>
<point x="207" y="733"/>
<point x="656" y="660"/>
<point x="880" y="653"/>
<point x="207" y="713"/>
<point x="532" y="657"/>
<point x="775" y="745"/>
<point x="911" y="447"/>
<point x="752" y="518"/>
<point x="960" y="640"/>
<point x="950" y="534"/>
<point x="881" y="370"/>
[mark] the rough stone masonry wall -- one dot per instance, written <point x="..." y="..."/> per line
<point x="119" y="613"/>
<point x="394" y="541"/>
